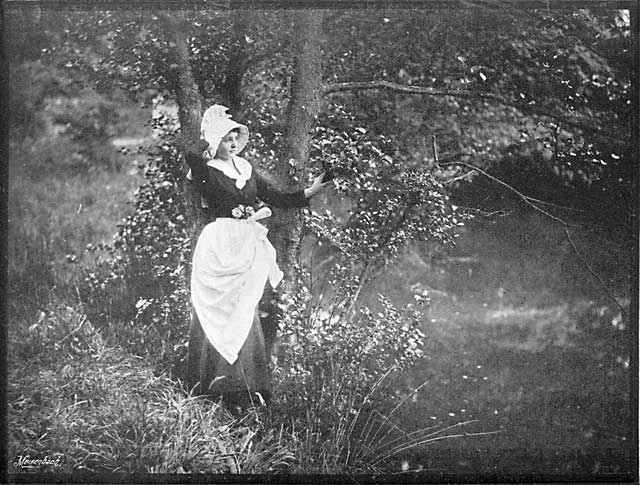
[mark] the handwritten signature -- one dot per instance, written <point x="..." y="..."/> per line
<point x="27" y="462"/>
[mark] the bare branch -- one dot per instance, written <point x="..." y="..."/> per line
<point x="531" y="202"/>
<point x="453" y="180"/>
<point x="551" y="204"/>
<point x="434" y="147"/>
<point x="448" y="159"/>
<point x="499" y="212"/>
<point x="524" y="107"/>
<point x="528" y="200"/>
<point x="592" y="271"/>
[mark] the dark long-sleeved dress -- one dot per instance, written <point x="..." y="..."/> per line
<point x="247" y="379"/>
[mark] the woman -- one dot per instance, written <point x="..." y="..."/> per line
<point x="232" y="262"/>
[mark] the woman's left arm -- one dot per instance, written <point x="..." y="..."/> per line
<point x="298" y="198"/>
<point x="283" y="200"/>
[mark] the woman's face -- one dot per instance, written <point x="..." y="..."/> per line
<point x="228" y="145"/>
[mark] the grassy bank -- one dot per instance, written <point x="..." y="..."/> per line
<point x="93" y="407"/>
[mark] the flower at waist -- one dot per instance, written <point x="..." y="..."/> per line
<point x="243" y="212"/>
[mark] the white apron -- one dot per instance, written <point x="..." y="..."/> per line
<point x="231" y="263"/>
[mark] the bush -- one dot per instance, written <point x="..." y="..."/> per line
<point x="67" y="125"/>
<point x="138" y="287"/>
<point x="338" y="358"/>
<point x="334" y="375"/>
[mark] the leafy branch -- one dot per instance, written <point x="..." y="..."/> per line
<point x="524" y="107"/>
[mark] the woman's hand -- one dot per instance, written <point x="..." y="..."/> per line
<point x="194" y="151"/>
<point x="316" y="186"/>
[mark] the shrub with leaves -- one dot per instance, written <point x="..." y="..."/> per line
<point x="392" y="203"/>
<point x="334" y="371"/>
<point x="139" y="282"/>
<point x="338" y="355"/>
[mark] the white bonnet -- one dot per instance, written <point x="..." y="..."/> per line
<point x="216" y="123"/>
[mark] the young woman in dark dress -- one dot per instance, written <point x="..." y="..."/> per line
<point x="232" y="261"/>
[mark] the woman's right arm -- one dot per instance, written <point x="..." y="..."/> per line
<point x="199" y="170"/>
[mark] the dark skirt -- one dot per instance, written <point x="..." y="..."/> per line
<point x="245" y="383"/>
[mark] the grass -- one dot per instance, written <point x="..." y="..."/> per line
<point x="345" y="433"/>
<point x="99" y="409"/>
<point x="54" y="215"/>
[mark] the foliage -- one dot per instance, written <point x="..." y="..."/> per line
<point x="139" y="283"/>
<point x="334" y="370"/>
<point x="31" y="86"/>
<point x="134" y="50"/>
<point x="543" y="94"/>
<point x="89" y="120"/>
<point x="562" y="77"/>
<point x="46" y="102"/>
<point x="391" y="204"/>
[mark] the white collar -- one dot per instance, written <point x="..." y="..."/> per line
<point x="230" y="171"/>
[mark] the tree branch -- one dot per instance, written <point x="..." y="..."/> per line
<point x="592" y="271"/>
<point x="528" y="200"/>
<point x="524" y="107"/>
<point x="531" y="202"/>
<point x="453" y="180"/>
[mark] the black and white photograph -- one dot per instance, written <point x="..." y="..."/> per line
<point x="333" y="241"/>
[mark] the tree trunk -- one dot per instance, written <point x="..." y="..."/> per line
<point x="187" y="93"/>
<point x="303" y="108"/>
<point x="189" y="114"/>
<point x="231" y="90"/>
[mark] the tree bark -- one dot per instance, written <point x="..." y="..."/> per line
<point x="189" y="114"/>
<point x="231" y="90"/>
<point x="187" y="93"/>
<point x="302" y="111"/>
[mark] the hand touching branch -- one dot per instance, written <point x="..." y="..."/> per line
<point x="315" y="187"/>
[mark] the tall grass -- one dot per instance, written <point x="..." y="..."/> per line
<point x="338" y="377"/>
<point x="336" y="429"/>
<point x="99" y="409"/>
<point x="54" y="213"/>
